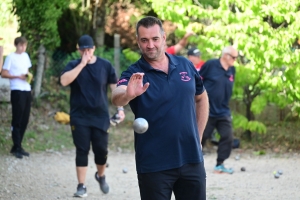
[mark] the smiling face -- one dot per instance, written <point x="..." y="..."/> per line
<point x="151" y="41"/>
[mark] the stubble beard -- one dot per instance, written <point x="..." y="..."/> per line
<point x="153" y="55"/>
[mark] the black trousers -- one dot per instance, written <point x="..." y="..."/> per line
<point x="224" y="128"/>
<point x="21" y="104"/>
<point x="187" y="182"/>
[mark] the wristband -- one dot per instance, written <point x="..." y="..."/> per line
<point x="120" y="108"/>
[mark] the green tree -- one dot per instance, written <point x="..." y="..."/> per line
<point x="38" y="21"/>
<point x="6" y="17"/>
<point x="266" y="34"/>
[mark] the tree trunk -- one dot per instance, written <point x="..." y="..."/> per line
<point x="249" y="114"/>
<point x="117" y="53"/>
<point x="250" y="117"/>
<point x="39" y="72"/>
<point x="99" y="14"/>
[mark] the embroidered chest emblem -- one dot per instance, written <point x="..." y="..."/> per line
<point x="184" y="76"/>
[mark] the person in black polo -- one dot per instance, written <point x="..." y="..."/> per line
<point x="168" y="92"/>
<point x="218" y="78"/>
<point x="89" y="78"/>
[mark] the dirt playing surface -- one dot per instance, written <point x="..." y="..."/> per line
<point x="51" y="175"/>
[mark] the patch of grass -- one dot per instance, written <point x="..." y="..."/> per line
<point x="44" y="133"/>
<point x="280" y="137"/>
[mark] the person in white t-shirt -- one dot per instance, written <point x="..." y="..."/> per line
<point x="15" y="68"/>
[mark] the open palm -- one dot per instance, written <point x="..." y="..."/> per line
<point x="135" y="85"/>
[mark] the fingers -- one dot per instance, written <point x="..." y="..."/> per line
<point x="122" y="116"/>
<point x="145" y="87"/>
<point x="137" y="76"/>
<point x="136" y="86"/>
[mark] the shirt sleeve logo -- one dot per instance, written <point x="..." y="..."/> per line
<point x="231" y="78"/>
<point x="121" y="81"/>
<point x="184" y="76"/>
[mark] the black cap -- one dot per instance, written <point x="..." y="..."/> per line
<point x="85" y="42"/>
<point x="194" y="52"/>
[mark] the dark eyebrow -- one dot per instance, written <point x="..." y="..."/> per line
<point x="156" y="37"/>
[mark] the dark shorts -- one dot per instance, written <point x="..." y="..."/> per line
<point x="187" y="182"/>
<point x="83" y="137"/>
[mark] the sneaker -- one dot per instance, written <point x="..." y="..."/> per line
<point x="81" y="191"/>
<point x="18" y="154"/>
<point x="221" y="169"/>
<point x="13" y="149"/>
<point x="115" y="119"/>
<point x="103" y="185"/>
<point x="24" y="153"/>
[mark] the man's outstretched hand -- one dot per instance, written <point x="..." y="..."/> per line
<point x="135" y="86"/>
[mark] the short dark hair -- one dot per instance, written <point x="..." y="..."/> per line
<point x="20" y="40"/>
<point x="147" y="22"/>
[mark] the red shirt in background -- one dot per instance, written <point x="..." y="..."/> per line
<point x="199" y="65"/>
<point x="171" y="50"/>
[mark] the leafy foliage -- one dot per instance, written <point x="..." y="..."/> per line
<point x="131" y="55"/>
<point x="266" y="34"/>
<point x="5" y="12"/>
<point x="38" y="22"/>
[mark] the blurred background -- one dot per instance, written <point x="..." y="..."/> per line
<point x="265" y="102"/>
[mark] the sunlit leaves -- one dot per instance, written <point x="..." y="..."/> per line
<point x="264" y="32"/>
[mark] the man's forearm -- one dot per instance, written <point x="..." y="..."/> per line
<point x="119" y="97"/>
<point x="69" y="76"/>
<point x="202" y="112"/>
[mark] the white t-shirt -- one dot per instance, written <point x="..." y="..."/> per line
<point x="16" y="65"/>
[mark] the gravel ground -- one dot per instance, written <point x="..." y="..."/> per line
<point x="51" y="175"/>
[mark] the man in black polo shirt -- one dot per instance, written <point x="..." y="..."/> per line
<point x="218" y="78"/>
<point x="168" y="92"/>
<point x="89" y="78"/>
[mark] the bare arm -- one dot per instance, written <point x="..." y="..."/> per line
<point x="123" y="94"/>
<point x="183" y="42"/>
<point x="202" y="112"/>
<point x="5" y="74"/>
<point x="69" y="76"/>
<point x="119" y="97"/>
<point x="120" y="108"/>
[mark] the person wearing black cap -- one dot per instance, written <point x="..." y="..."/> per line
<point x="194" y="55"/>
<point x="89" y="78"/>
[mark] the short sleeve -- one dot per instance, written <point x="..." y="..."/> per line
<point x="203" y="70"/>
<point x="112" y="76"/>
<point x="125" y="76"/>
<point x="28" y="61"/>
<point x="69" y="67"/>
<point x="7" y="63"/>
<point x="199" y="83"/>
